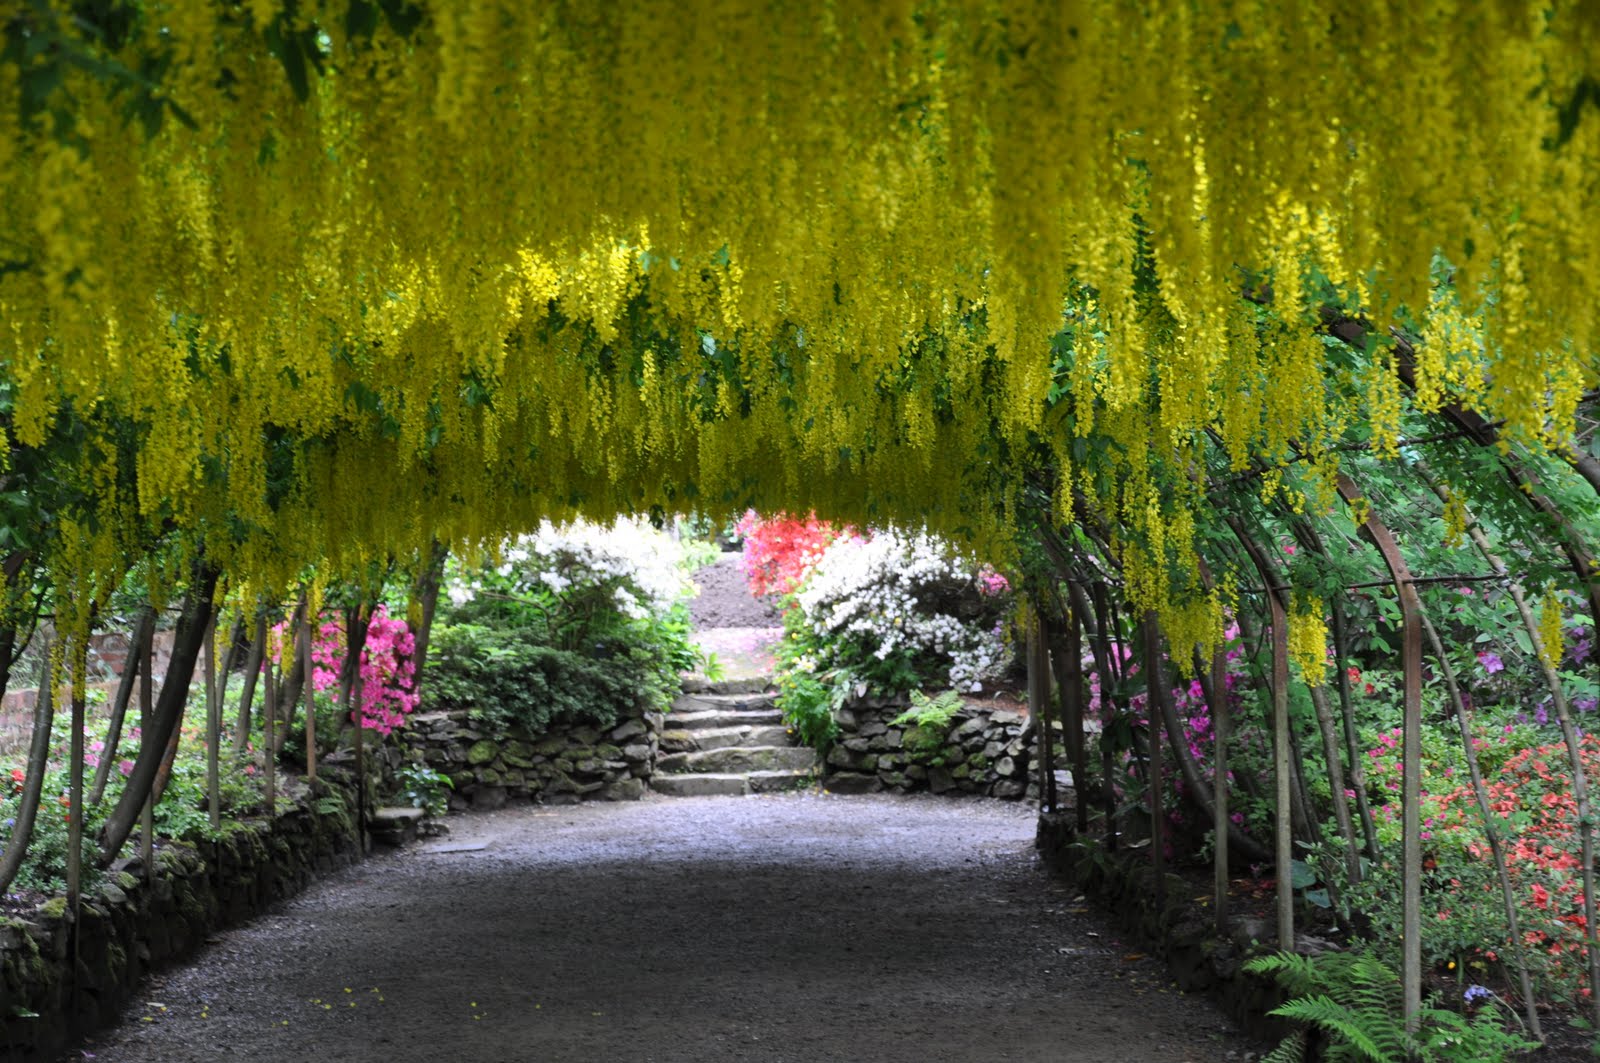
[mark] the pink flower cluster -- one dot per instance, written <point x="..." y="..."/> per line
<point x="388" y="673"/>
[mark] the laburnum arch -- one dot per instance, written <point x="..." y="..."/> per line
<point x="295" y="286"/>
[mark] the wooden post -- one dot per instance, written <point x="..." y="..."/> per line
<point x="1283" y="837"/>
<point x="310" y="691"/>
<point x="1221" y="721"/>
<point x="269" y="729"/>
<point x="1157" y="776"/>
<point x="1410" y="754"/>
<point x="147" y="815"/>
<point x="213" y="726"/>
<point x="1039" y="706"/>
<point x="1072" y="702"/>
<point x="80" y="677"/>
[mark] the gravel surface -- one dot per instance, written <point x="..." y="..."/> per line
<point x="790" y="927"/>
<point x="725" y="599"/>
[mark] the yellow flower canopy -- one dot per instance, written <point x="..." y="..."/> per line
<point x="314" y="283"/>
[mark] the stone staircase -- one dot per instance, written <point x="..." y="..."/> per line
<point x="729" y="739"/>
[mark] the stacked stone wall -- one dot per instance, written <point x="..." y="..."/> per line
<point x="983" y="750"/>
<point x="61" y="977"/>
<point x="564" y="765"/>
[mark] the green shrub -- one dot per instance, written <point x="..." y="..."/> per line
<point x="508" y="678"/>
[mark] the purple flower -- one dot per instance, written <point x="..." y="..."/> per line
<point x="1581" y="650"/>
<point x="1584" y="704"/>
<point x="1477" y="994"/>
<point x="1491" y="662"/>
<point x="1542" y="715"/>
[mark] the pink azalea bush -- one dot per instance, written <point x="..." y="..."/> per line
<point x="388" y="672"/>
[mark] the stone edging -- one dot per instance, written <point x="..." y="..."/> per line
<point x="130" y="927"/>
<point x="1181" y="933"/>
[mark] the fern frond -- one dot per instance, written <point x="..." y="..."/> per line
<point x="1362" y="1030"/>
<point x="1291" y="1049"/>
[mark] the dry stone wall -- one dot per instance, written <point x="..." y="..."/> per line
<point x="61" y="978"/>
<point x="564" y="765"/>
<point x="987" y="751"/>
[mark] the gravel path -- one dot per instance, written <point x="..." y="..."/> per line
<point x="792" y="927"/>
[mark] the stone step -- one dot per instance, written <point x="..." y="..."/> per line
<point x="699" y="685"/>
<point x="766" y="782"/>
<point x="396" y="826"/>
<point x="722" y="702"/>
<point x="740" y="759"/>
<point x="702" y="719"/>
<point x="720" y="784"/>
<point x="731" y="783"/>
<point x="686" y="741"/>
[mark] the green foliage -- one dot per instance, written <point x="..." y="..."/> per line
<point x="1355" y="1000"/>
<point x="809" y="702"/>
<point x="927" y="723"/>
<point x="424" y="788"/>
<point x="935" y="712"/>
<point x="508" y="678"/>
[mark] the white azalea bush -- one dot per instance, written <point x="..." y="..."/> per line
<point x="574" y="621"/>
<point x="887" y="615"/>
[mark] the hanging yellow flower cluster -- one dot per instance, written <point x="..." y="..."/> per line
<point x="388" y="273"/>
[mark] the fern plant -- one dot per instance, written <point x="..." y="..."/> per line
<point x="928" y="720"/>
<point x="1354" y="1001"/>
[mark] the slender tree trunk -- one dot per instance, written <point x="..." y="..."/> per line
<point x="1352" y="740"/>
<point x="1108" y="711"/>
<point x="1341" y="804"/>
<point x="1283" y="802"/>
<point x="1491" y="834"/>
<point x="119" y="705"/>
<point x="1580" y="782"/>
<point x="33" y="782"/>
<point x="1199" y="791"/>
<point x="292" y="675"/>
<point x="1066" y="651"/>
<point x="247" y="694"/>
<point x="426" y="592"/>
<point x="357" y="624"/>
<point x="169" y="709"/>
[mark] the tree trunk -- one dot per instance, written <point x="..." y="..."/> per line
<point x="169" y="709"/>
<point x="119" y="705"/>
<point x="426" y="592"/>
<point x="1490" y="833"/>
<point x="247" y="694"/>
<point x="33" y="783"/>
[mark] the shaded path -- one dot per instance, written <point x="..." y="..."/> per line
<point x="795" y="927"/>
